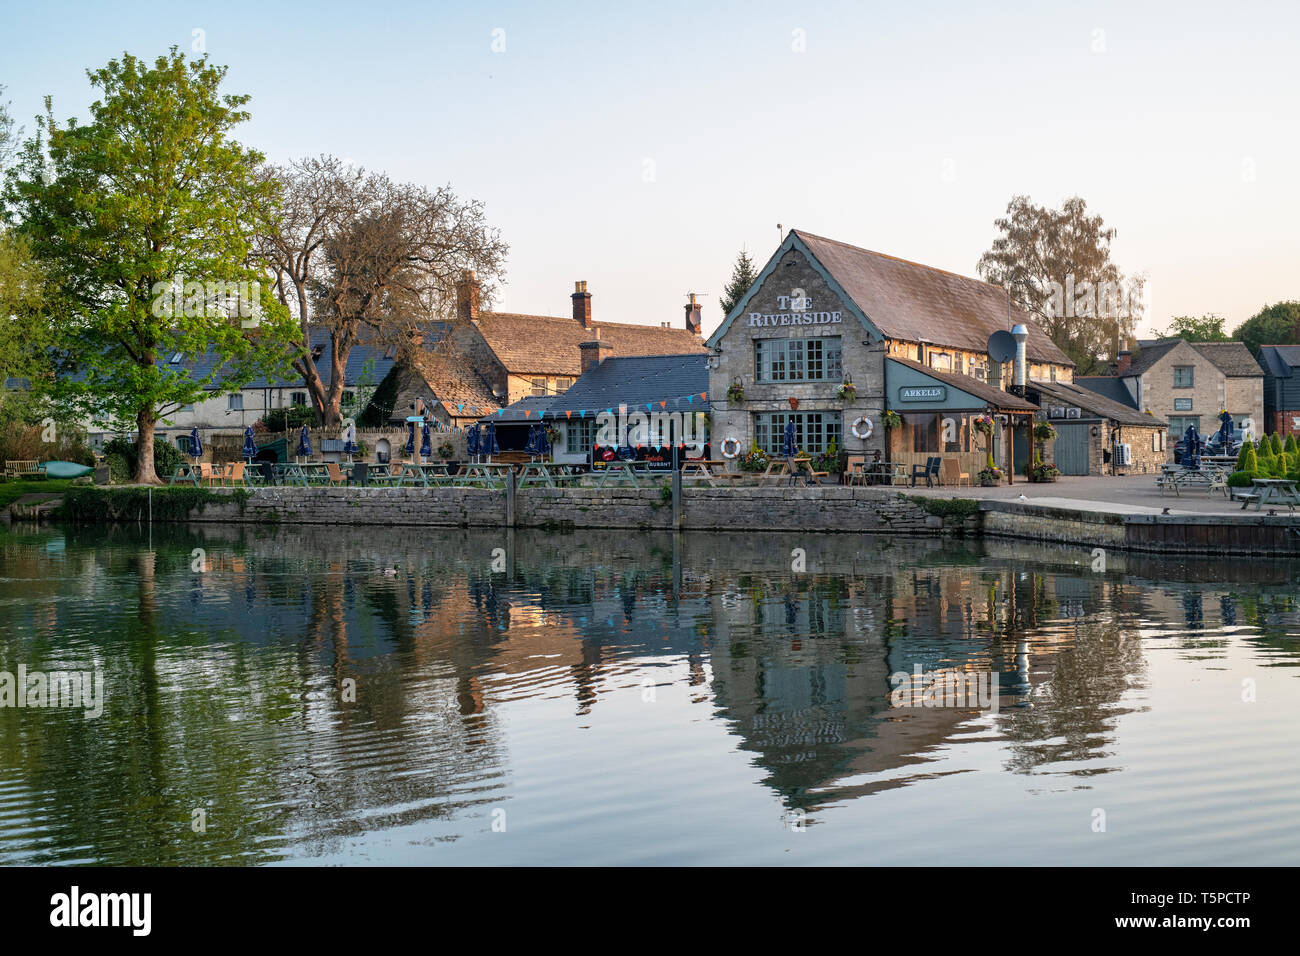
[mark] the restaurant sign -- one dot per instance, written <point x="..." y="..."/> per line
<point x="923" y="393"/>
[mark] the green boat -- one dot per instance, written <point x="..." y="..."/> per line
<point x="65" y="469"/>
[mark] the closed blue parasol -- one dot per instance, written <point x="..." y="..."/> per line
<point x="410" y="438"/>
<point x="543" y="442"/>
<point x="250" y="444"/>
<point x="490" y="446"/>
<point x="530" y="446"/>
<point x="789" y="439"/>
<point x="350" y="440"/>
<point x="1225" y="429"/>
<point x="471" y="440"/>
<point x="196" y="444"/>
<point x="426" y="443"/>
<point x="304" y="442"/>
<point x="1192" y="446"/>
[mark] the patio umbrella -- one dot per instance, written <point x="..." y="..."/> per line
<point x="543" y="442"/>
<point x="531" y="445"/>
<point x="471" y="440"/>
<point x="350" y="440"/>
<point x="410" y="438"/>
<point x="250" y="444"/>
<point x="196" y="444"/>
<point x="490" y="446"/>
<point x="1192" y="446"/>
<point x="1225" y="430"/>
<point x="789" y="440"/>
<point x="426" y="446"/>
<point x="304" y="442"/>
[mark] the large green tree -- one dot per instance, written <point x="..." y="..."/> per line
<point x="1272" y="325"/>
<point x="1055" y="264"/>
<point x="1207" y="328"/>
<point x="145" y="217"/>
<point x="743" y="274"/>
<point x="24" y="321"/>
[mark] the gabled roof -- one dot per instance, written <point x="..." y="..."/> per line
<point x="1108" y="386"/>
<point x="462" y="391"/>
<point x="1150" y="351"/>
<point x="676" y="380"/>
<point x="1233" y="359"/>
<point x="548" y="344"/>
<point x="1085" y="398"/>
<point x="982" y="391"/>
<point x="1280" y="361"/>
<point x="907" y="301"/>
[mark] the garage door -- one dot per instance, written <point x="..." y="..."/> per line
<point x="1071" y="451"/>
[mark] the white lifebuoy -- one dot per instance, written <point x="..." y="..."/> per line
<point x="735" y="442"/>
<point x="858" y="433"/>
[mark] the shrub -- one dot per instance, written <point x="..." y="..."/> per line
<point x="1240" y="479"/>
<point x="119" y="468"/>
<point x="1290" y="446"/>
<point x="166" y="456"/>
<point x="295" y="416"/>
<point x="1241" y="455"/>
<point x="1248" y="461"/>
<point x="1276" y="443"/>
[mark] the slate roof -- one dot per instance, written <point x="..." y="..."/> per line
<point x="1280" y="361"/>
<point x="455" y="383"/>
<point x="1064" y="393"/>
<point x="1233" y="359"/>
<point x="527" y="409"/>
<point x="548" y="344"/>
<point x="636" y="380"/>
<point x="909" y="301"/>
<point x="982" y="391"/>
<point x="1107" y="386"/>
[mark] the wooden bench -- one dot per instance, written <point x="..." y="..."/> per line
<point x="22" y="468"/>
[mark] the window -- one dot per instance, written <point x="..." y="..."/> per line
<point x="934" y="432"/>
<point x="580" y="436"/>
<point x="1178" y="424"/>
<point x="1183" y="377"/>
<point x="941" y="361"/>
<point x="348" y="399"/>
<point x="562" y="384"/>
<point x="1182" y="404"/>
<point x="175" y="359"/>
<point x="813" y="431"/>
<point x="538" y="386"/>
<point x="298" y="398"/>
<point x="798" y="360"/>
<point x="235" y="402"/>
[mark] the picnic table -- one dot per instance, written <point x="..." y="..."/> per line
<point x="423" y="474"/>
<point x="303" y="473"/>
<point x="700" y="469"/>
<point x="1175" y="478"/>
<point x="620" y="472"/>
<point x="550" y="474"/>
<point x="1274" y="490"/>
<point x="487" y="474"/>
<point x="186" y="473"/>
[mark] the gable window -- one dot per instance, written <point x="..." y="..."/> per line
<point x="798" y="360"/>
<point x="235" y="402"/>
<point x="1183" y="376"/>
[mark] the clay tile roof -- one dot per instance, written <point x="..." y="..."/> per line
<point x="454" y="382"/>
<point x="972" y="386"/>
<point x="910" y="301"/>
<point x="1233" y="359"/>
<point x="548" y="344"/>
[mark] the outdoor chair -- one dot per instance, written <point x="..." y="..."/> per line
<point x="929" y="471"/>
<point x="950" y="470"/>
<point x="336" y="476"/>
<point x="360" y="474"/>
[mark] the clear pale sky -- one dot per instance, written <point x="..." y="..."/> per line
<point x="639" y="146"/>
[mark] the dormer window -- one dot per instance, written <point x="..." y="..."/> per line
<point x="175" y="359"/>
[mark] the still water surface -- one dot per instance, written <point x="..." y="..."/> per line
<point x="538" y="698"/>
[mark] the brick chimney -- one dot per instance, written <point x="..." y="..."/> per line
<point x="467" y="291"/>
<point x="1125" y="360"/>
<point x="694" y="322"/>
<point x="582" y="304"/>
<point x="593" y="352"/>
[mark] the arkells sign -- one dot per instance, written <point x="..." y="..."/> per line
<point x="801" y="312"/>
<point x="923" y="393"/>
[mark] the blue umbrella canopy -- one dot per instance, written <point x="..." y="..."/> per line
<point x="304" y="442"/>
<point x="1225" y="430"/>
<point x="410" y="438"/>
<point x="471" y="440"/>
<point x="789" y="439"/>
<point x="250" y="443"/>
<point x="426" y="443"/>
<point x="350" y="440"/>
<point x="490" y="446"/>
<point x="196" y="443"/>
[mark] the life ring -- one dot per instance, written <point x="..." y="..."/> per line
<point x="735" y="442"/>
<point x="863" y="420"/>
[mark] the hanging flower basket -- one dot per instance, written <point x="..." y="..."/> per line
<point x="848" y="392"/>
<point x="983" y="424"/>
<point x="891" y="419"/>
<point x="445" y="450"/>
<point x="794" y="403"/>
<point x="736" y="393"/>
<point x="1044" y="431"/>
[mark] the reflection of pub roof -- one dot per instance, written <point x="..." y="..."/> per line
<point x="635" y="381"/>
<point x="978" y="394"/>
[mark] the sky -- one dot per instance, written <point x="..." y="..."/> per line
<point x="639" y="147"/>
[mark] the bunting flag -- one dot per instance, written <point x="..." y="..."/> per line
<point x="528" y="413"/>
<point x="663" y="404"/>
<point x="460" y="407"/>
<point x="568" y="414"/>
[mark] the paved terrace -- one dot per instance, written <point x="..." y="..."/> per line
<point x="1131" y="495"/>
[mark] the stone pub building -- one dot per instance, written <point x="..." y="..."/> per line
<point x="910" y="338"/>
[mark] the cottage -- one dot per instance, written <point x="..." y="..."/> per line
<point x="1281" y="367"/>
<point x="830" y="336"/>
<point x="1096" y="435"/>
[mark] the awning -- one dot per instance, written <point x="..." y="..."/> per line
<point x="911" y="385"/>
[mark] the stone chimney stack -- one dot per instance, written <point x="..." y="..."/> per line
<point x="594" y="352"/>
<point x="467" y="291"/>
<point x="694" y="321"/>
<point x="582" y="303"/>
<point x="1125" y="360"/>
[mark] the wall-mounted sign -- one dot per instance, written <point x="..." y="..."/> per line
<point x="1182" y="404"/>
<point x="923" y="393"/>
